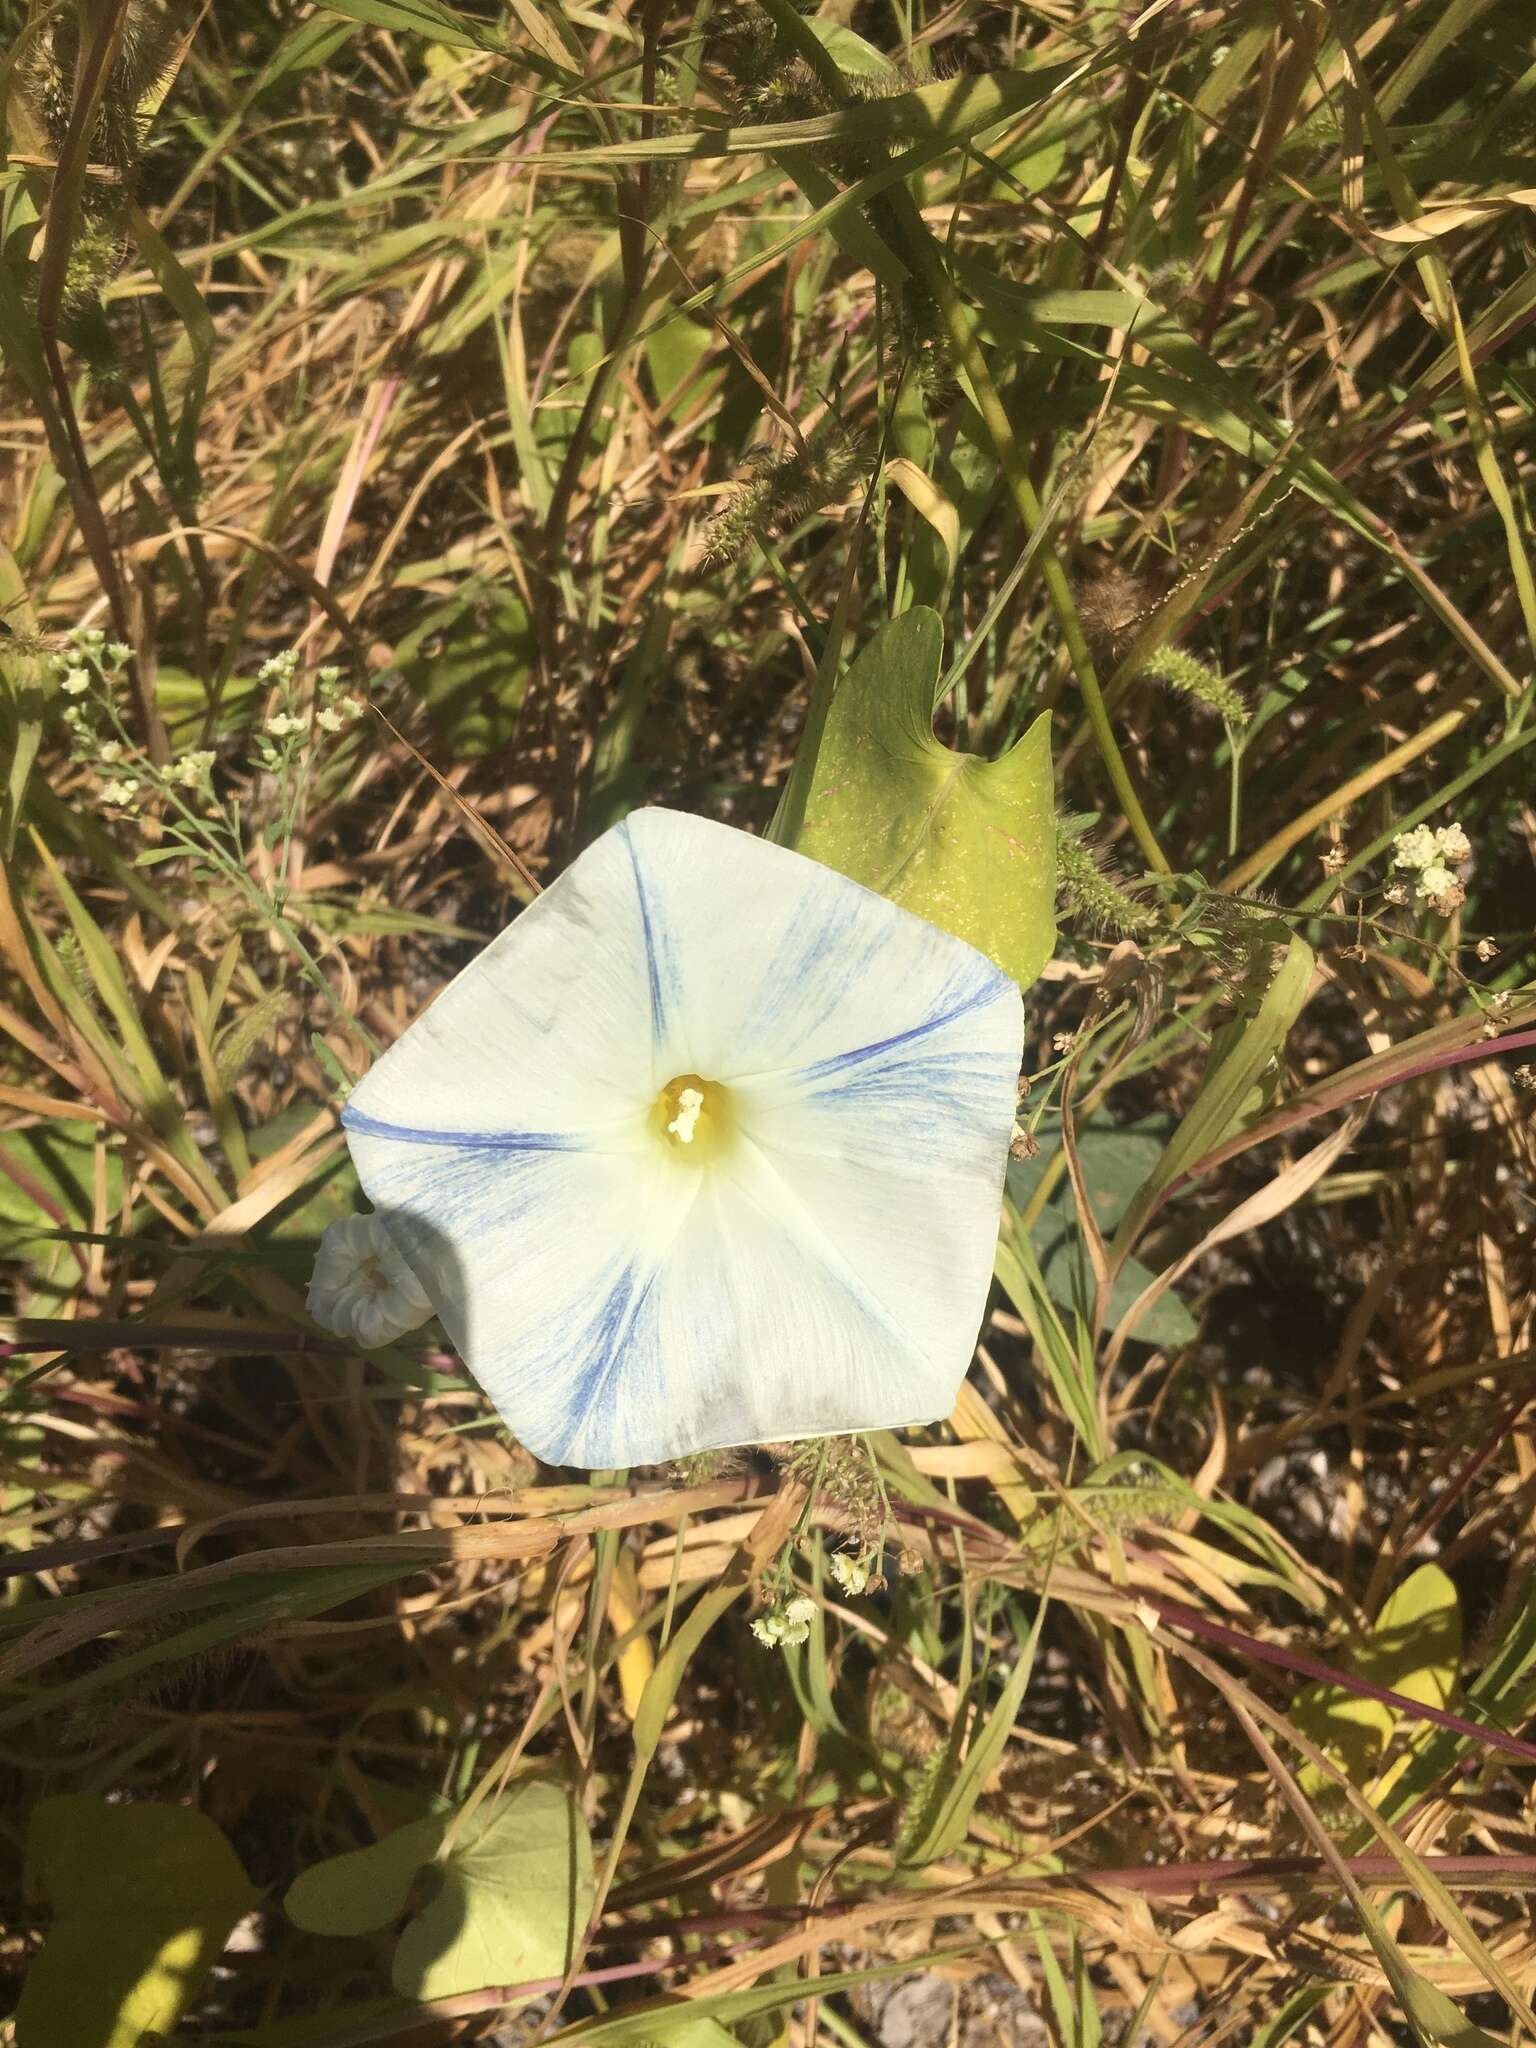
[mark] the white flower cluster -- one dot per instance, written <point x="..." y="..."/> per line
<point x="851" y="1573"/>
<point x="287" y="727"/>
<point x="193" y="769"/>
<point x="786" y="1624"/>
<point x="1428" y="857"/>
<point x="88" y="668"/>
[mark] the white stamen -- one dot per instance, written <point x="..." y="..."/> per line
<point x="689" y="1104"/>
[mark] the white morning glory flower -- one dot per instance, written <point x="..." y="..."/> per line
<point x="706" y="1149"/>
<point x="361" y="1287"/>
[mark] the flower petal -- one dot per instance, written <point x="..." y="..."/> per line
<point x="767" y="961"/>
<point x="546" y="1036"/>
<point x="826" y="1273"/>
<point x="543" y="1266"/>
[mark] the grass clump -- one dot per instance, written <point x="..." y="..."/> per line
<point x="386" y="511"/>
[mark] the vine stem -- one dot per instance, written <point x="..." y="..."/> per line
<point x="923" y="259"/>
<point x="962" y="336"/>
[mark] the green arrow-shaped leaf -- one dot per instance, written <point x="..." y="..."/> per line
<point x="969" y="844"/>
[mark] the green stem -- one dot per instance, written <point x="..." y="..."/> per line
<point x="921" y="257"/>
<point x="962" y="337"/>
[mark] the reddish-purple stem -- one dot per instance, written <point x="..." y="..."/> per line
<point x="1303" y="1666"/>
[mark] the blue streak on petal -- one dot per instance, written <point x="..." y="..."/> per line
<point x="817" y="960"/>
<point x="607" y="1345"/>
<point x="976" y="999"/>
<point x="652" y="960"/>
<point x="469" y="1141"/>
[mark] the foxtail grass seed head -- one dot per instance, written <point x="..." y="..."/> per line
<point x="1089" y="890"/>
<point x="1196" y="679"/>
<point x="785" y="487"/>
<point x="1111" y="603"/>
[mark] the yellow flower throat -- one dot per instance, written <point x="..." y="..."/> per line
<point x="693" y="1117"/>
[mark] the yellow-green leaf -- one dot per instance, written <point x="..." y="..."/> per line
<point x="513" y="1889"/>
<point x="967" y="843"/>
<point x="1415" y="1649"/>
<point x="143" y="1898"/>
<point x="1440" y="2020"/>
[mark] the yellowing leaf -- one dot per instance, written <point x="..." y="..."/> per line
<point x="513" y="1889"/>
<point x="1414" y="1648"/>
<point x="143" y="1898"/>
<point x="925" y="498"/>
<point x="966" y="843"/>
<point x="1444" y="220"/>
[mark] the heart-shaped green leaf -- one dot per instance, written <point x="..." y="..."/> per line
<point x="468" y="660"/>
<point x="1115" y="1160"/>
<point x="512" y="1882"/>
<point x="966" y="843"/>
<point x="143" y="1898"/>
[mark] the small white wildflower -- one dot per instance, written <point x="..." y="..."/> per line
<point x="1487" y="950"/>
<point x="330" y="719"/>
<point x="354" y="707"/>
<point x="1415" y="849"/>
<point x="362" y="1288"/>
<point x="1396" y="892"/>
<point x="192" y="769"/>
<point x="283" y="725"/>
<point x="328" y="679"/>
<point x="799" y="1613"/>
<point x="1334" y="859"/>
<point x="119" y="793"/>
<point x="1453" y="843"/>
<point x="1435" y="880"/>
<point x="110" y="752"/>
<point x="117" y="652"/>
<point x="851" y="1573"/>
<point x="797" y="1616"/>
<point x="787" y="1624"/>
<point x="279" y="668"/>
<point x="75" y="681"/>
